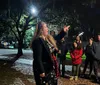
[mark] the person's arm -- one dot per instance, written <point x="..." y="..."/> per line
<point x="62" y="33"/>
<point x="37" y="50"/>
<point x="80" y="54"/>
<point x="72" y="55"/>
<point x="85" y="51"/>
<point x="94" y="50"/>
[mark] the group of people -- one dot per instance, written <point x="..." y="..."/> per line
<point x="92" y="52"/>
<point x="45" y="49"/>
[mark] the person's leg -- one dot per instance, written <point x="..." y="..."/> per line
<point x="85" y="67"/>
<point x="59" y="61"/>
<point x="73" y="72"/>
<point x="63" y="68"/>
<point x="63" y="59"/>
<point x="77" y="71"/>
<point x="96" y="70"/>
<point x="63" y="64"/>
<point x="91" y="67"/>
<point x="37" y="78"/>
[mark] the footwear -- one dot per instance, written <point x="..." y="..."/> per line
<point x="71" y="78"/>
<point x="97" y="80"/>
<point x="82" y="76"/>
<point x="76" y="78"/>
<point x="89" y="76"/>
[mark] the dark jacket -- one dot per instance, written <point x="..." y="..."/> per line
<point x="42" y="56"/>
<point x="97" y="51"/>
<point x="62" y="45"/>
<point x="90" y="51"/>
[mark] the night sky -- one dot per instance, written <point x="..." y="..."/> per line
<point x="12" y="3"/>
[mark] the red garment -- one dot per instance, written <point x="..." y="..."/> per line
<point x="76" y="56"/>
<point x="56" y="67"/>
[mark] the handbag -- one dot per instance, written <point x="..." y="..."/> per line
<point x="49" y="79"/>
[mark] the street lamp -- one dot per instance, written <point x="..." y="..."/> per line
<point x="34" y="10"/>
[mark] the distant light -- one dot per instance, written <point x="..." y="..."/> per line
<point x="34" y="10"/>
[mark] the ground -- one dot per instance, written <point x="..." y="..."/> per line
<point x="20" y="73"/>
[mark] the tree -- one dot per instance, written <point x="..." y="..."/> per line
<point x="79" y="14"/>
<point x="28" y="37"/>
<point x="20" y="20"/>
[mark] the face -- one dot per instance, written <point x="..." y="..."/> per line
<point x="52" y="33"/>
<point x="90" y="41"/>
<point x="99" y="37"/>
<point x="77" y="38"/>
<point x="45" y="29"/>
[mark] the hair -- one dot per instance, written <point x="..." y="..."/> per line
<point x="78" y="36"/>
<point x="38" y="30"/>
<point x="79" y="45"/>
<point x="91" y="38"/>
<point x="52" y="31"/>
<point x="51" y="40"/>
<point x="38" y="33"/>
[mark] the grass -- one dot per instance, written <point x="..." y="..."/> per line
<point x="69" y="57"/>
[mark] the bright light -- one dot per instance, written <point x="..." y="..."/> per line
<point x="81" y="34"/>
<point x="34" y="10"/>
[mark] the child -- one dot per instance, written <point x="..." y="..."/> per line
<point x="76" y="55"/>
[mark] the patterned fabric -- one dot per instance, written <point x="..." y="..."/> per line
<point x="55" y="62"/>
<point x="56" y="66"/>
<point x="51" y="47"/>
<point x="50" y="79"/>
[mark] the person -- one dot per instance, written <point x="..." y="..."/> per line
<point x="62" y="46"/>
<point x="97" y="58"/>
<point x="52" y="33"/>
<point x="78" y="40"/>
<point x="90" y="54"/>
<point x="76" y="55"/>
<point x="43" y="65"/>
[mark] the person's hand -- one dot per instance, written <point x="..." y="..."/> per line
<point x="59" y="51"/>
<point x="42" y="75"/>
<point x="66" y="28"/>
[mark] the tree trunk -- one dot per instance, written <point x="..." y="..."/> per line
<point x="20" y="46"/>
<point x="20" y="52"/>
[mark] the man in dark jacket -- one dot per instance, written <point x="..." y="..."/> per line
<point x="97" y="58"/>
<point x="90" y="54"/>
<point x="62" y="45"/>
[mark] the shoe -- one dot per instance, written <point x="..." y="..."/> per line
<point x="89" y="76"/>
<point x="76" y="78"/>
<point x="71" y="78"/>
<point x="82" y="76"/>
<point x="97" y="80"/>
